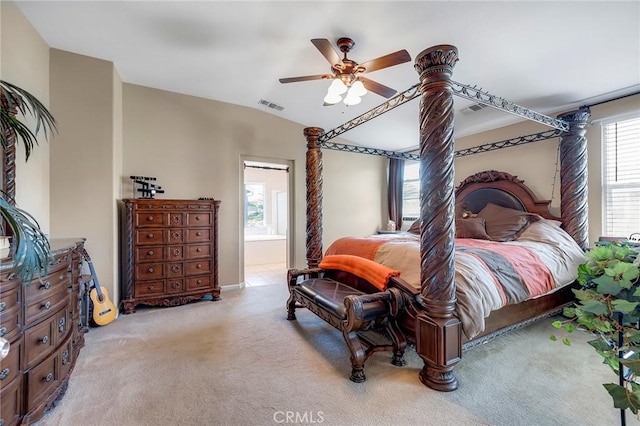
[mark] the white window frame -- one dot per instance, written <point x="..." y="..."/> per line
<point x="607" y="187"/>
<point x="414" y="177"/>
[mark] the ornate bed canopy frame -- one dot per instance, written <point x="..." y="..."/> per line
<point x="437" y="325"/>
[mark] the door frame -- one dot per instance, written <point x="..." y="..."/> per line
<point x="290" y="243"/>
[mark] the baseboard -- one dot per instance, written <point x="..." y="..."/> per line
<point x="238" y="286"/>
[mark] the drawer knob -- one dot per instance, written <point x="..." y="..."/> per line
<point x="150" y="235"/>
<point x="48" y="377"/>
<point x="199" y="281"/>
<point x="198" y="233"/>
<point x="2" y="306"/>
<point x="46" y="285"/>
<point x="175" y="284"/>
<point x="199" y="265"/>
<point x="198" y="249"/>
<point x="44" y="340"/>
<point x="151" y="287"/>
<point x="150" y="270"/>
<point x="175" y="269"/>
<point x="4" y="373"/>
<point x="149" y="218"/>
<point x="65" y="357"/>
<point x="46" y="305"/>
<point x="3" y="331"/>
<point x="197" y="217"/>
<point x="61" y="324"/>
<point x="150" y="253"/>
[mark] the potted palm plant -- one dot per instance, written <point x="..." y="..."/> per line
<point x="29" y="249"/>
<point x="608" y="306"/>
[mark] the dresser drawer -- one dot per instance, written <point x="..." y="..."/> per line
<point x="200" y="250"/>
<point x="41" y="379"/>
<point x="175" y="236"/>
<point x="39" y="309"/>
<point x="8" y="281"/>
<point x="175" y="253"/>
<point x="10" y="366"/>
<point x="145" y="254"/>
<point x="175" y="285"/>
<point x="176" y="219"/>
<point x="198" y="235"/>
<point x="39" y="341"/>
<point x="151" y="219"/>
<point x="196" y="267"/>
<point x="10" y="322"/>
<point x="196" y="283"/>
<point x="175" y="269"/>
<point x="149" y="288"/>
<point x="42" y="289"/>
<point x="149" y="271"/>
<point x="149" y="236"/>
<point x="65" y="359"/>
<point x="9" y="298"/>
<point x="199" y="219"/>
<point x="10" y="403"/>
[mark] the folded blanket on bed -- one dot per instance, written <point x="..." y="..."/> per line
<point x="376" y="273"/>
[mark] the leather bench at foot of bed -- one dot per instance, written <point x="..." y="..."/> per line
<point x="367" y="321"/>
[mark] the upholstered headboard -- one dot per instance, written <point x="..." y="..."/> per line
<point x="503" y="189"/>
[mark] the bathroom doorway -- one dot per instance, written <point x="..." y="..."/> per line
<point x="266" y="221"/>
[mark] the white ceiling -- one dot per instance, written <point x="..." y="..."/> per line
<point x="543" y="55"/>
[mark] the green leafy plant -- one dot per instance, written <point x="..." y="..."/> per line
<point x="30" y="248"/>
<point x="607" y="306"/>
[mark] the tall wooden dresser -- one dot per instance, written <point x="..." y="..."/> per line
<point x="42" y="322"/>
<point x="169" y="251"/>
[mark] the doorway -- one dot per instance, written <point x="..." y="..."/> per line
<point x="266" y="221"/>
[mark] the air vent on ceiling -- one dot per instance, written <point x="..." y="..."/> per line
<point x="473" y="108"/>
<point x="270" y="105"/>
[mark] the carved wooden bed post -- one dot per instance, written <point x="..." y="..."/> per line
<point x="438" y="331"/>
<point x="314" y="196"/>
<point x="573" y="176"/>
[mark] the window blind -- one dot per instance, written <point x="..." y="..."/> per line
<point x="621" y="177"/>
<point x="411" y="190"/>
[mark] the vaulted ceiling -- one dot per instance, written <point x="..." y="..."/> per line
<point x="543" y="55"/>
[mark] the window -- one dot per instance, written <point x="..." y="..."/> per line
<point x="621" y="177"/>
<point x="254" y="222"/>
<point x="411" y="190"/>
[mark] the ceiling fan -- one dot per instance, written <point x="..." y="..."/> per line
<point x="347" y="74"/>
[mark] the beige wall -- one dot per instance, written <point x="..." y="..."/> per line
<point x="535" y="163"/>
<point x="24" y="61"/>
<point x="194" y="146"/>
<point x="86" y="101"/>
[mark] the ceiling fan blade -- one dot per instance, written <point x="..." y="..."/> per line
<point x="378" y="88"/>
<point x="396" y="58"/>
<point x="305" y="78"/>
<point x="327" y="50"/>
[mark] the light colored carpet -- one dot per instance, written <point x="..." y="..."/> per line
<point x="238" y="361"/>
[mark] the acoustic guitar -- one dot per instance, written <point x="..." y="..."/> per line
<point x="104" y="310"/>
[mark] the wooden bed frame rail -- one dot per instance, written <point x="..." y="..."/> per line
<point x="438" y="331"/>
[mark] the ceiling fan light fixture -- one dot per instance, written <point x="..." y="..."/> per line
<point x="332" y="98"/>
<point x="337" y="87"/>
<point x="357" y="88"/>
<point x="352" y="99"/>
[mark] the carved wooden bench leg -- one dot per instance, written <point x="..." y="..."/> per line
<point x="358" y="355"/>
<point x="352" y="312"/>
<point x="292" y="281"/>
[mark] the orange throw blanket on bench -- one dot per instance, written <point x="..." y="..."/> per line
<point x="376" y="273"/>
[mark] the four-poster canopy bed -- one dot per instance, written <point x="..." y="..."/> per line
<point x="429" y="317"/>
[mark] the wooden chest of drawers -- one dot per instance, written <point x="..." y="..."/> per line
<point x="41" y="322"/>
<point x="169" y="251"/>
